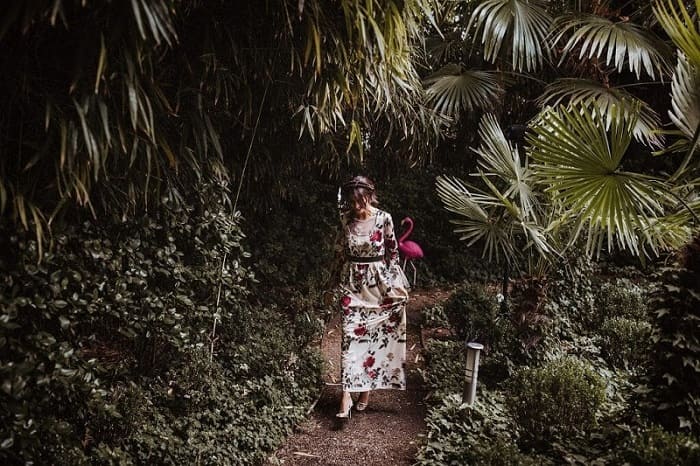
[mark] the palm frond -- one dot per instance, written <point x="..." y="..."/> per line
<point x="480" y="219"/>
<point x="685" y="97"/>
<point x="500" y="158"/>
<point x="452" y="90"/>
<point x="526" y="22"/>
<point x="608" y="101"/>
<point x="578" y="160"/>
<point x="617" y="43"/>
<point x="675" y="18"/>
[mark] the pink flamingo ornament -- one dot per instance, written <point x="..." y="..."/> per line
<point x="410" y="250"/>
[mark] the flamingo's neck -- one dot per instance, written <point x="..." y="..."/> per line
<point x="407" y="233"/>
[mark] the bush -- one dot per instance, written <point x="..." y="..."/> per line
<point x="474" y="314"/>
<point x="560" y="398"/>
<point x="446" y="362"/>
<point x="655" y="447"/>
<point x="104" y="345"/>
<point x="621" y="298"/>
<point x="625" y="342"/>
<point x="434" y="316"/>
<point x="480" y="435"/>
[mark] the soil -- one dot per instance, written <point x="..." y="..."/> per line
<point x="388" y="432"/>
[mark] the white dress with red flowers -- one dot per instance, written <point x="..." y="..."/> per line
<point x="373" y="300"/>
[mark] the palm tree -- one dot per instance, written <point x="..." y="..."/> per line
<point x="579" y="138"/>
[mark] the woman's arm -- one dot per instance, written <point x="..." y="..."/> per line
<point x="391" y="247"/>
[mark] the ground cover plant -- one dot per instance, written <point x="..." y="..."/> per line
<point x="132" y="343"/>
<point x="567" y="399"/>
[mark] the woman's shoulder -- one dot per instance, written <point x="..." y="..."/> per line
<point x="383" y="215"/>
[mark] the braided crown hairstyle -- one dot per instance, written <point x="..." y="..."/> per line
<point x="359" y="189"/>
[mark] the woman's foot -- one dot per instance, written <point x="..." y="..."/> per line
<point x="362" y="401"/>
<point x="345" y="405"/>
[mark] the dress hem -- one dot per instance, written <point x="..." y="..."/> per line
<point x="359" y="390"/>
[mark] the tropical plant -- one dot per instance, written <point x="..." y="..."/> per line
<point x="504" y="218"/>
<point x="575" y="92"/>
<point x="526" y="23"/>
<point x="616" y="43"/>
<point x="679" y="24"/>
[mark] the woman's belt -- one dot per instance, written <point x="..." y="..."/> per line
<point x="365" y="260"/>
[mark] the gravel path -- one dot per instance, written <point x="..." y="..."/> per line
<point x="387" y="433"/>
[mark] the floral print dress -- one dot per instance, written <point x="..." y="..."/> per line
<point x="373" y="300"/>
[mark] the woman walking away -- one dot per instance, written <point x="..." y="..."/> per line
<point x="372" y="294"/>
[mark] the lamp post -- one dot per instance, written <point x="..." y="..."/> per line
<point x="472" y="371"/>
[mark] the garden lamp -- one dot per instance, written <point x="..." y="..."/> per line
<point x="472" y="371"/>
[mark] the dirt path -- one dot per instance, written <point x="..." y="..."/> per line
<point x="387" y="432"/>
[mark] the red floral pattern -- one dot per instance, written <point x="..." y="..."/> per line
<point x="374" y="298"/>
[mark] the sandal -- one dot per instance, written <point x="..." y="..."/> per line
<point x="345" y="414"/>
<point x="362" y="405"/>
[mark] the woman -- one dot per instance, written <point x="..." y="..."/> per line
<point x="373" y="294"/>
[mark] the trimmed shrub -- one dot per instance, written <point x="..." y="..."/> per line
<point x="625" y="342"/>
<point x="621" y="298"/>
<point x="474" y="314"/>
<point x="656" y="447"/>
<point x="560" y="398"/>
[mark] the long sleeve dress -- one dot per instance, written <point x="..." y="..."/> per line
<point x="373" y="296"/>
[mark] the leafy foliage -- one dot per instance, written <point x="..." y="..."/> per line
<point x="625" y="341"/>
<point x="560" y="398"/>
<point x="657" y="447"/>
<point x="607" y="101"/>
<point x="453" y="90"/>
<point x="676" y="345"/>
<point x="617" y="43"/>
<point x="115" y="109"/>
<point x="527" y="24"/>
<point x="107" y="344"/>
<point x="475" y="315"/>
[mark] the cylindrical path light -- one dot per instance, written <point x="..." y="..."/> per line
<point x="472" y="371"/>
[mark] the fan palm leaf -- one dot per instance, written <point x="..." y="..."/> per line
<point x="453" y="90"/>
<point x="500" y="158"/>
<point x="674" y="17"/>
<point x="578" y="160"/>
<point x="685" y="97"/>
<point x="481" y="218"/>
<point x="678" y="23"/>
<point x="527" y="22"/>
<point x="608" y="101"/>
<point x="617" y="43"/>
